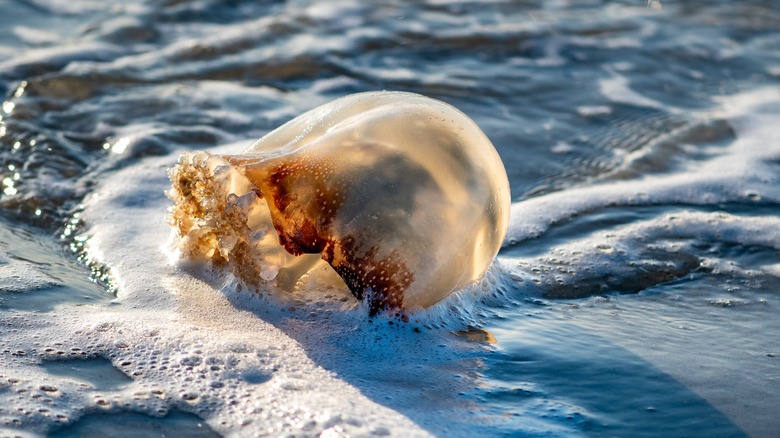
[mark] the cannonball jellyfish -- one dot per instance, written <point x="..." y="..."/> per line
<point x="403" y="196"/>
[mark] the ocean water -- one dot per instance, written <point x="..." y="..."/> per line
<point x="637" y="292"/>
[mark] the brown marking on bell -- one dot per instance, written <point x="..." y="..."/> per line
<point x="279" y="185"/>
<point x="306" y="240"/>
<point x="380" y="280"/>
<point x="304" y="202"/>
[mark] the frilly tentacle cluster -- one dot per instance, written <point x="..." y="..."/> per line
<point x="220" y="218"/>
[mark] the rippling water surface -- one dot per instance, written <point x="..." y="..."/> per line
<point x="636" y="293"/>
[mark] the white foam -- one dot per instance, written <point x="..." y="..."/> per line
<point x="35" y="36"/>
<point x="743" y="172"/>
<point x="59" y="55"/>
<point x="19" y="276"/>
<point x="616" y="89"/>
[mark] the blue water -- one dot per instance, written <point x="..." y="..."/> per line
<point x="637" y="293"/>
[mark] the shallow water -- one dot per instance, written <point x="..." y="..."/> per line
<point x="636" y="294"/>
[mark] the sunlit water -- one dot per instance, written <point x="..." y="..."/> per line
<point x="636" y="293"/>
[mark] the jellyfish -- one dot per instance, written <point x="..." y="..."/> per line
<point x="402" y="196"/>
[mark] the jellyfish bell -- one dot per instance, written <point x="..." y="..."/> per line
<point x="402" y="196"/>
